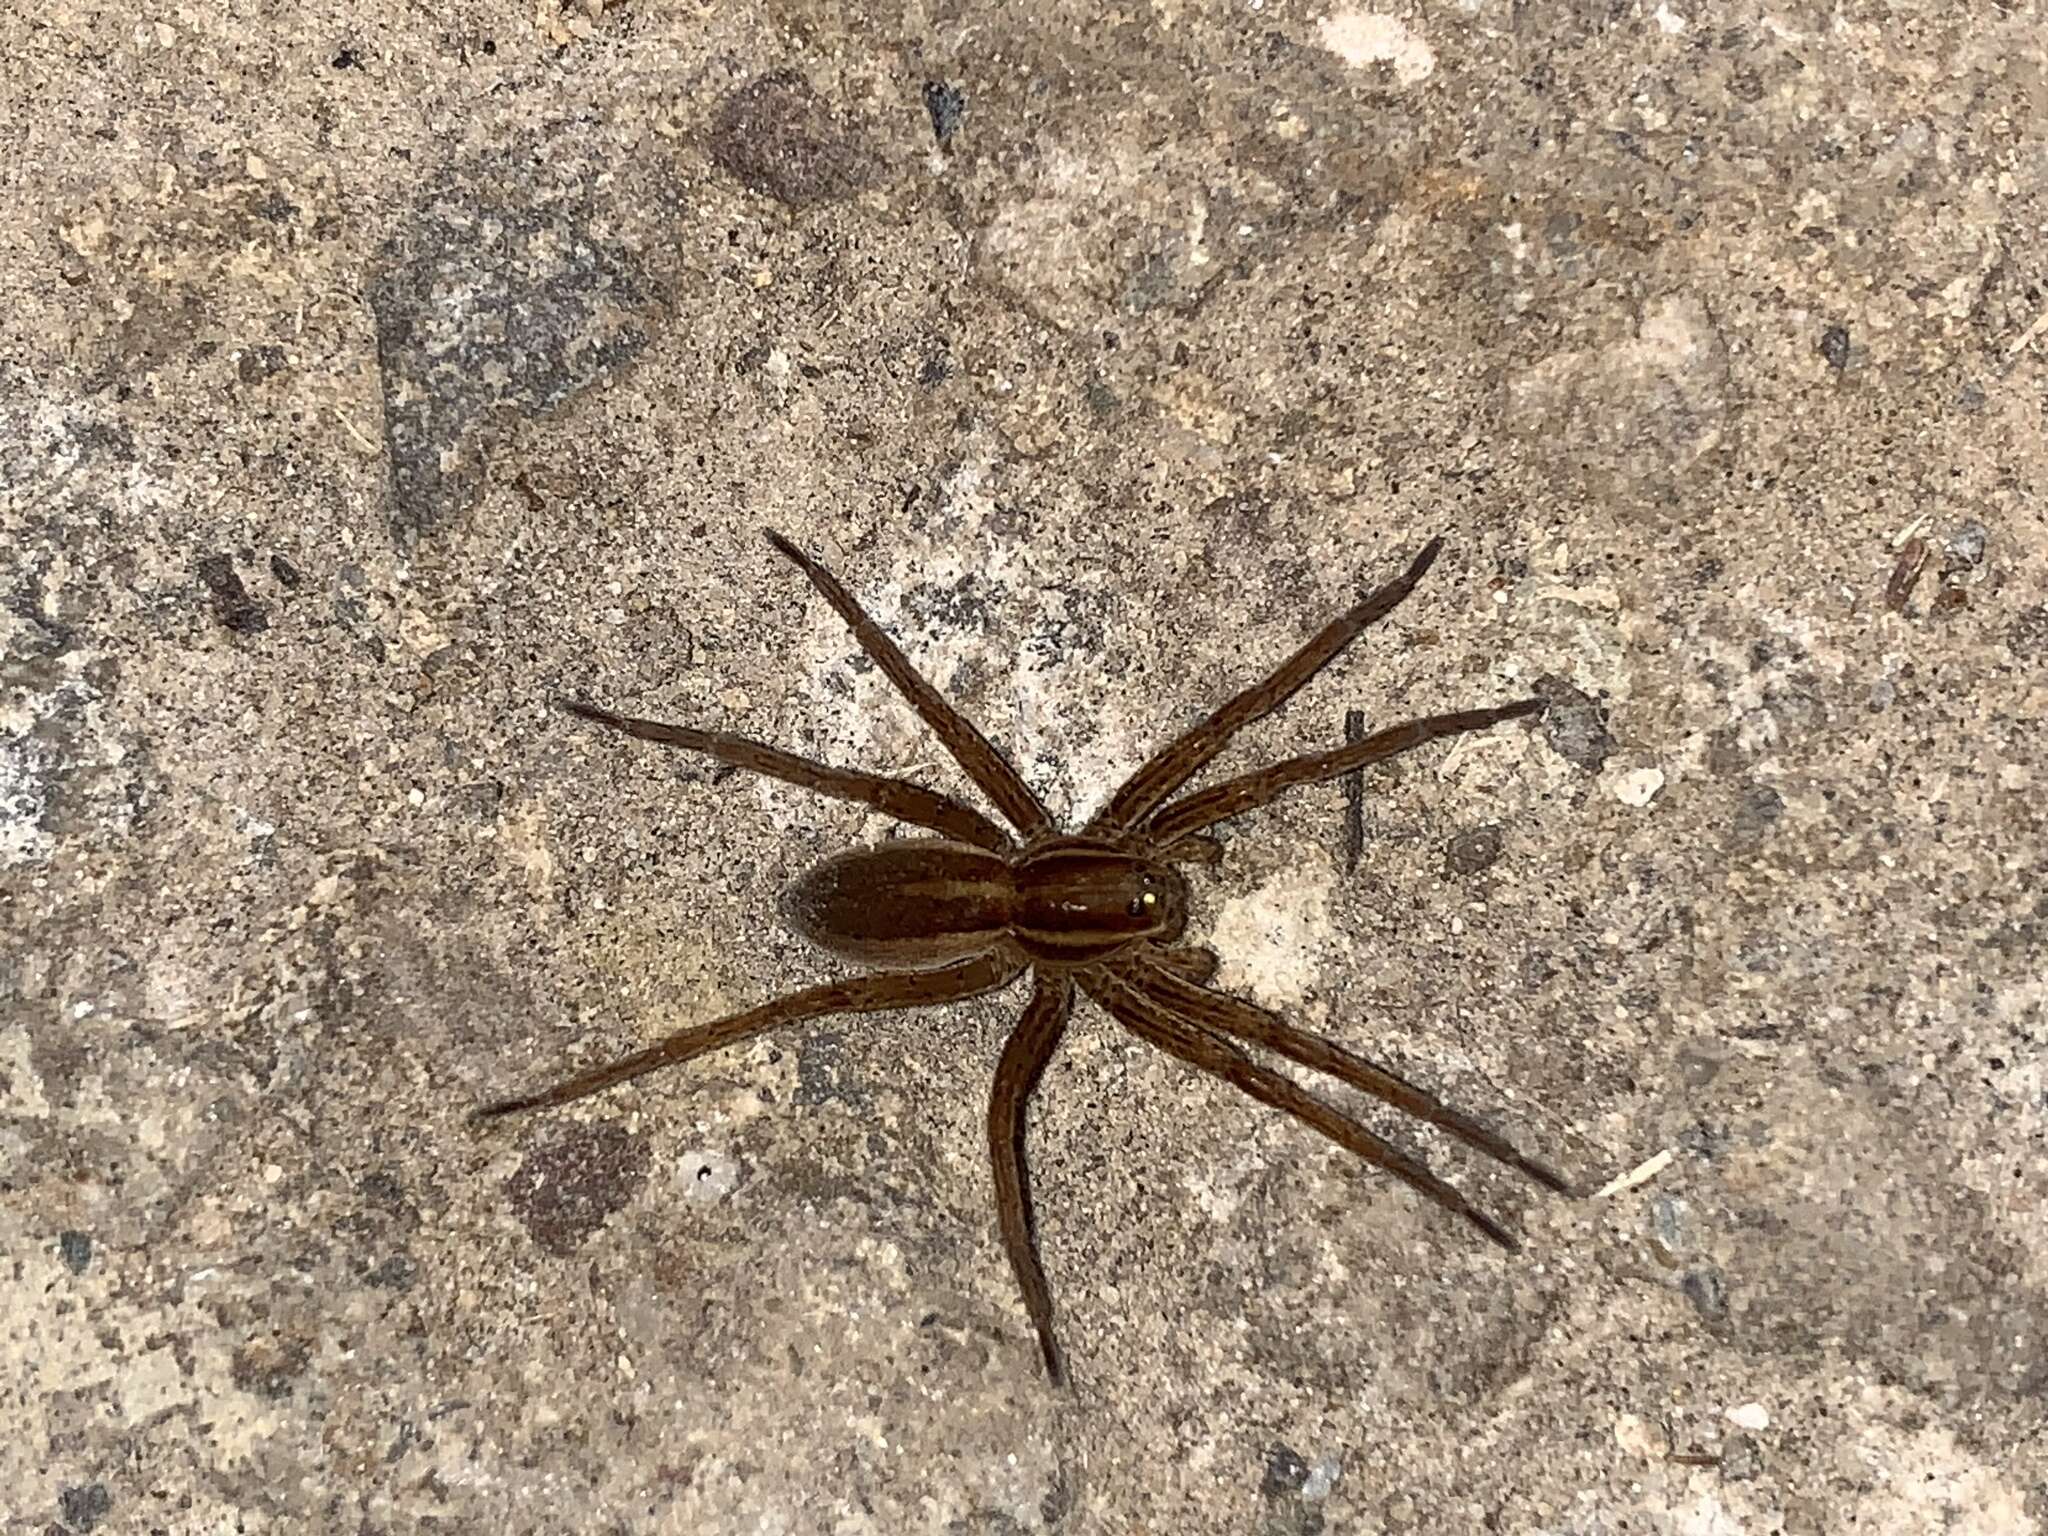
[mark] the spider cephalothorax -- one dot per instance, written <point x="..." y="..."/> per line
<point x="1103" y="909"/>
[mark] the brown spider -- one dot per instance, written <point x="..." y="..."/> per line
<point x="1104" y="909"/>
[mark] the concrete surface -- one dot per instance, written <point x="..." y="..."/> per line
<point x="371" y="373"/>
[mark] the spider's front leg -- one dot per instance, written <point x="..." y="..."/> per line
<point x="1195" y="848"/>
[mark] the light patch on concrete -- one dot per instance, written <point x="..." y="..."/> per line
<point x="1655" y="402"/>
<point x="1272" y="938"/>
<point x="707" y="1176"/>
<point x="25" y="1084"/>
<point x="1707" y="1515"/>
<point x="1928" y="1484"/>
<point x="1634" y="1434"/>
<point x="1364" y="38"/>
<point x="1218" y="1191"/>
<point x="90" y="1346"/>
<point x="1639" y="787"/>
<point x="862" y="719"/>
<point x="24" y="785"/>
<point x="22" y="803"/>
<point x="523" y="835"/>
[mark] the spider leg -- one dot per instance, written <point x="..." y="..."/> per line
<point x="1025" y="1055"/>
<point x="1255" y="1026"/>
<point x="892" y="797"/>
<point x="1193" y="849"/>
<point x="857" y="994"/>
<point x="1233" y="797"/>
<point x="972" y="750"/>
<point x="1157" y="1023"/>
<point x="1183" y="758"/>
<point x="1192" y="962"/>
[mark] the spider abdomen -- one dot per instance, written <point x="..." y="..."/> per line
<point x="914" y="901"/>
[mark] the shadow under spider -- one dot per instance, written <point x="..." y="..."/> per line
<point x="1103" y="910"/>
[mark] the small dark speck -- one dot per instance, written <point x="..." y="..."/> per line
<point x="1898" y="590"/>
<point x="76" y="1250"/>
<point x="947" y="106"/>
<point x="258" y="363"/>
<point x="83" y="1508"/>
<point x="268" y="1367"/>
<point x="395" y="1274"/>
<point x="1354" y="795"/>
<point x="824" y="1072"/>
<point x="566" y="1189"/>
<point x="1834" y="346"/>
<point x="774" y="136"/>
<point x="1575" y="725"/>
<point x="348" y="58"/>
<point x="232" y="604"/>
<point x="1059" y="1498"/>
<point x="2027" y="635"/>
<point x="935" y="369"/>
<point x="1740" y="1459"/>
<point x="1708" y="1295"/>
<point x="1473" y="850"/>
<point x="1759" y="811"/>
<point x="1285" y="1473"/>
<point x="287" y="574"/>
<point x="1966" y="545"/>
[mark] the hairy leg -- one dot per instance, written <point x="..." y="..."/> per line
<point x="1152" y="1020"/>
<point x="1192" y="962"/>
<point x="1233" y="797"/>
<point x="1023" y="1062"/>
<point x="1255" y="1026"/>
<point x="892" y="797"/>
<point x="1181" y="760"/>
<point x="858" y="994"/>
<point x="1194" y="849"/>
<point x="972" y="750"/>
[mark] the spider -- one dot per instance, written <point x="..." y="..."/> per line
<point x="1102" y="910"/>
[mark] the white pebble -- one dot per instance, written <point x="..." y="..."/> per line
<point x="1633" y="1434"/>
<point x="1640" y="787"/>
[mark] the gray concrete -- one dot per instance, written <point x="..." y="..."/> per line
<point x="371" y="373"/>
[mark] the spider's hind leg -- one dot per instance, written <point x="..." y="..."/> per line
<point x="1152" y="1019"/>
<point x="859" y="994"/>
<point x="1226" y="1015"/>
<point x="1025" y="1055"/>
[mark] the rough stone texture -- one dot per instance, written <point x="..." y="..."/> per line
<point x="372" y="373"/>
